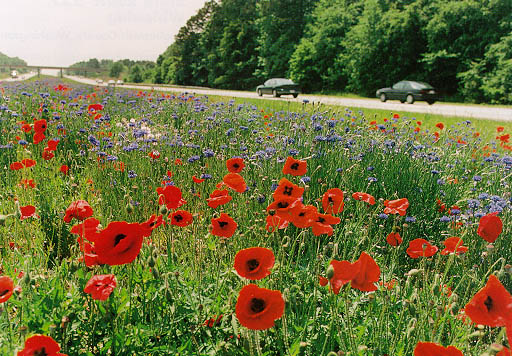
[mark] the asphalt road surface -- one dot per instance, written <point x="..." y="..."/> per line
<point x="455" y="110"/>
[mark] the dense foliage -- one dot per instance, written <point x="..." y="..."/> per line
<point x="6" y="60"/>
<point x="162" y="265"/>
<point x="127" y="69"/>
<point x="460" y="46"/>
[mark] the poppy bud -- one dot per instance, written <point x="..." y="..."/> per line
<point x="476" y="334"/>
<point x="490" y="248"/>
<point x="162" y="210"/>
<point x="332" y="353"/>
<point x="151" y="261"/>
<point x="508" y="269"/>
<point x="302" y="346"/>
<point x="496" y="347"/>
<point x="64" y="321"/>
<point x="155" y="273"/>
<point x="330" y="272"/>
<point x="26" y="278"/>
<point x="129" y="208"/>
<point x="3" y="219"/>
<point x="413" y="272"/>
<point x="362" y="349"/>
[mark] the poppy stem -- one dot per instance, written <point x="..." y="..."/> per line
<point x="257" y="342"/>
<point x="10" y="325"/>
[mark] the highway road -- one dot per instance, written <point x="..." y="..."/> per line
<point x="498" y="113"/>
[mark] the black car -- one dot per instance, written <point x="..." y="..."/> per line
<point x="278" y="87"/>
<point x="409" y="91"/>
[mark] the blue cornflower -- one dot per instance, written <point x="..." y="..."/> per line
<point x="383" y="216"/>
<point x="305" y="179"/>
<point x="132" y="174"/>
<point x="444" y="219"/>
<point x="477" y="178"/>
<point x="372" y="179"/>
<point x="410" y="219"/>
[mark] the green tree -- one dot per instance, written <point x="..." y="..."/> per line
<point x="135" y="74"/>
<point x="115" y="69"/>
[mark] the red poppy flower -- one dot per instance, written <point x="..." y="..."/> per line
<point x="431" y="349"/>
<point x="52" y="145"/>
<point x="235" y="164"/>
<point x="6" y="288"/>
<point x="235" y="181"/>
<point x="505" y="351"/>
<point x="285" y="187"/>
<point x="421" y="248"/>
<point x="47" y="154"/>
<point x="295" y="167"/>
<point x="181" y="218"/>
<point x="322" y="224"/>
<point x="491" y="305"/>
<point x="284" y="206"/>
<point x="332" y="201"/>
<point x="258" y="308"/>
<point x="364" y="197"/>
<point x="119" y="243"/>
<point x="178" y="162"/>
<point x="213" y="321"/>
<point x="223" y="226"/>
<point x="171" y="196"/>
<point x="64" y="169"/>
<point x="90" y="257"/>
<point x="500" y="129"/>
<point x="274" y="221"/>
<point x="394" y="239"/>
<point x="38" y="345"/>
<point x="440" y="125"/>
<point x="344" y="272"/>
<point x="304" y="217"/>
<point x="15" y="166"/>
<point x="27" y="183"/>
<point x="101" y="286"/>
<point x="367" y="275"/>
<point x="28" y="211"/>
<point x="490" y="227"/>
<point x="323" y="281"/>
<point x="197" y="180"/>
<point x="38" y="137"/>
<point x="79" y="210"/>
<point x="454" y="245"/>
<point x="254" y="263"/>
<point x="40" y="126"/>
<point x="26" y="128"/>
<point x="152" y="223"/>
<point x="27" y="162"/>
<point x="88" y="229"/>
<point x="154" y="154"/>
<point x="94" y="107"/>
<point x="219" y="197"/>
<point x="398" y="206"/>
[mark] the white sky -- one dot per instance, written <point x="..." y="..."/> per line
<point x="62" y="32"/>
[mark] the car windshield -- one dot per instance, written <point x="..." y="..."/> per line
<point x="420" y="85"/>
<point x="284" y="82"/>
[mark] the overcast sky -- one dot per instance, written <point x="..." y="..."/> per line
<point x="62" y="32"/>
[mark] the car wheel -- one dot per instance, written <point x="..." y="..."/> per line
<point x="383" y="97"/>
<point x="295" y="95"/>
<point x="274" y="94"/>
<point x="430" y="102"/>
<point x="410" y="99"/>
<point x="259" y="92"/>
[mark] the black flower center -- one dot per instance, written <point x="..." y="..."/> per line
<point x="257" y="305"/>
<point x="118" y="239"/>
<point x="295" y="166"/>
<point x="4" y="292"/>
<point x="320" y="220"/>
<point x="288" y="191"/>
<point x="236" y="165"/>
<point x="488" y="303"/>
<point x="222" y="223"/>
<point x="41" y="352"/>
<point x="282" y="204"/>
<point x="178" y="218"/>
<point x="331" y="200"/>
<point x="252" y="264"/>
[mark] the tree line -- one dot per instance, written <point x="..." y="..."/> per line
<point x="462" y="47"/>
<point x="127" y="69"/>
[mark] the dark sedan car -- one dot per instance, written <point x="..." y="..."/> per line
<point x="278" y="87"/>
<point x="409" y="91"/>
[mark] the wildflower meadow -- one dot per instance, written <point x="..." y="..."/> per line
<point x="144" y="223"/>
